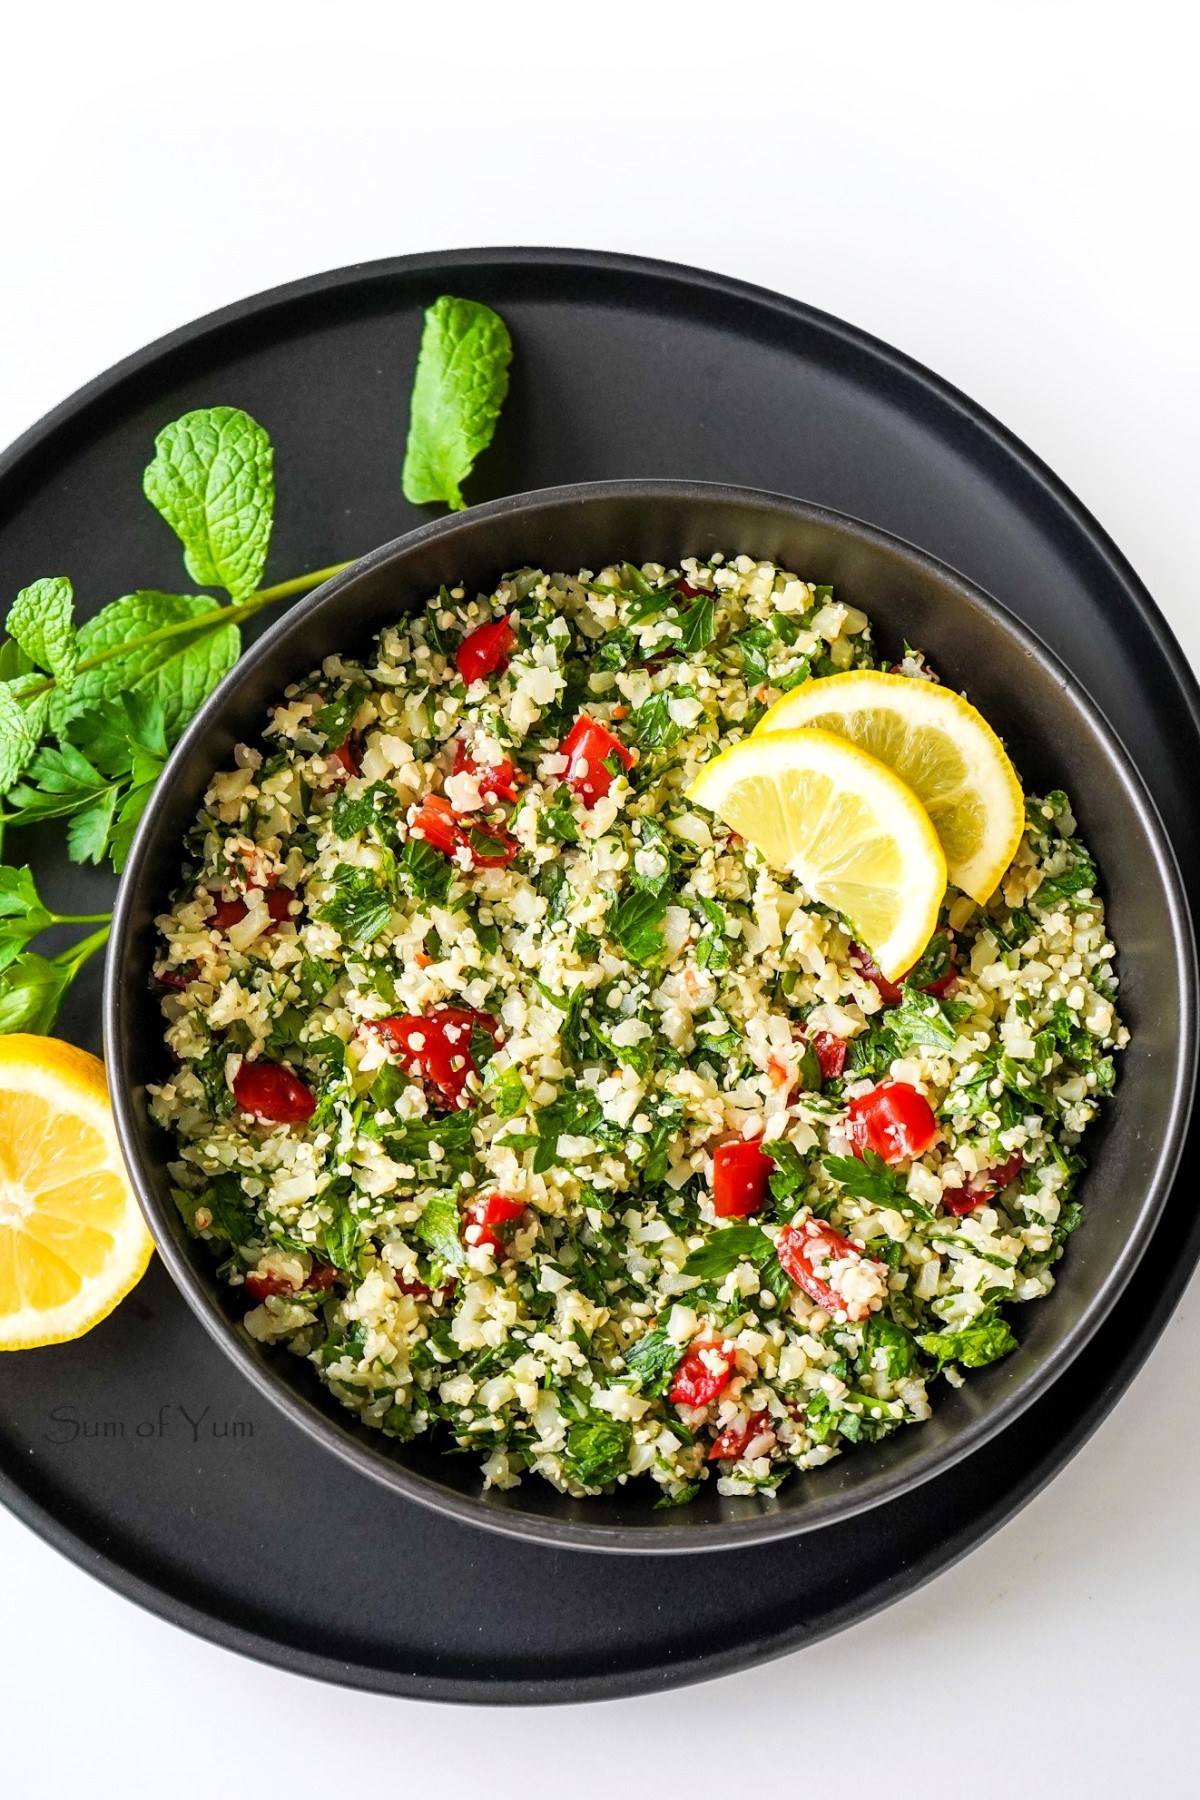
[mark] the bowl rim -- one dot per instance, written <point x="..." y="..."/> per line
<point x="763" y="1524"/>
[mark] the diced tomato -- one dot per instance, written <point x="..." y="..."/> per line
<point x="495" y="781"/>
<point x="437" y="822"/>
<point x="435" y="1047"/>
<point x="689" y="592"/>
<point x="232" y="912"/>
<point x="345" y="760"/>
<point x="983" y="1187"/>
<point x="586" y="747"/>
<point x="894" y="1120"/>
<point x="420" y="1290"/>
<point x="805" y="1252"/>
<point x="737" y="1437"/>
<point x="890" y="991"/>
<point x="704" y="1371"/>
<point x="177" y="978"/>
<point x="260" y="1286"/>
<point x="483" y="1216"/>
<point x="740" y="1174"/>
<point x="831" y="1053"/>
<point x="273" y="1092"/>
<point x="486" y="650"/>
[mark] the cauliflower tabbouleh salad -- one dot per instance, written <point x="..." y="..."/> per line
<point x="522" y="1097"/>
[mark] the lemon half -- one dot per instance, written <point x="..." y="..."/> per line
<point x="938" y="744"/>
<point x="846" y="827"/>
<point x="72" y="1238"/>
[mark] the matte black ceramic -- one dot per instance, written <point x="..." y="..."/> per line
<point x="141" y="1451"/>
<point x="1057" y="740"/>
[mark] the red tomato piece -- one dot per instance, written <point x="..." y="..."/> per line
<point x="420" y="1290"/>
<point x="273" y="1092"/>
<point x="345" y="760"/>
<point x="495" y="781"/>
<point x="689" y="592"/>
<point x="486" y="650"/>
<point x="260" y="1286"/>
<point x="704" y="1371"/>
<point x="437" y="822"/>
<point x="983" y="1187"/>
<point x="864" y="962"/>
<point x="435" y="1047"/>
<point x="809" y="1254"/>
<point x="177" y="978"/>
<point x="736" y="1438"/>
<point x="740" y="1173"/>
<point x="890" y="991"/>
<point x="831" y="1053"/>
<point x="232" y="912"/>
<point x="894" y="1120"/>
<point x="483" y="1216"/>
<point x="586" y="746"/>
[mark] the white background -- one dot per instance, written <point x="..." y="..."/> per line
<point x="1007" y="193"/>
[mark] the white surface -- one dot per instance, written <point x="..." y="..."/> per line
<point x="1008" y="193"/>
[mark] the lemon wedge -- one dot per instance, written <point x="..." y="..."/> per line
<point x="72" y="1239"/>
<point x="938" y="744"/>
<point x="849" y="830"/>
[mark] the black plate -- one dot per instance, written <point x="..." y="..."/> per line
<point x="238" y="1526"/>
<point x="1056" y="739"/>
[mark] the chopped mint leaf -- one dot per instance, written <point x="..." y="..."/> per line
<point x="986" y="1341"/>
<point x="653" y="1360"/>
<point x="360" y="907"/>
<point x="636" y="924"/>
<point x="598" y="1449"/>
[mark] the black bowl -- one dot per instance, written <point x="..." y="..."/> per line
<point x="1057" y="739"/>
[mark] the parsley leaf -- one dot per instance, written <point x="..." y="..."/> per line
<point x="212" y="480"/>
<point x="698" y="628"/>
<point x="884" y="1340"/>
<point x="636" y="924"/>
<point x="986" y="1341"/>
<point x="335" y="720"/>
<point x="425" y="872"/>
<point x="507" y="1093"/>
<point x="598" y="1449"/>
<point x="439" y="1227"/>
<point x="725" y="1249"/>
<point x="652" y="723"/>
<point x="460" y="385"/>
<point x="653" y="1360"/>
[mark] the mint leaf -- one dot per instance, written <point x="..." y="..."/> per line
<point x="212" y="481"/>
<point x="18" y="739"/>
<point x="41" y="623"/>
<point x="179" y="672"/>
<point x="652" y="723"/>
<point x="425" y="872"/>
<point x="459" y="388"/>
<point x="698" y="626"/>
<point x="899" y="1354"/>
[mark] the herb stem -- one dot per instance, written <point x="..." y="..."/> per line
<point x="77" y="955"/>
<point x="214" y="620"/>
<point x="82" y="918"/>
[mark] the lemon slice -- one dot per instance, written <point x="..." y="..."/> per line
<point x="855" y="837"/>
<point x="72" y="1240"/>
<point x="936" y="742"/>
